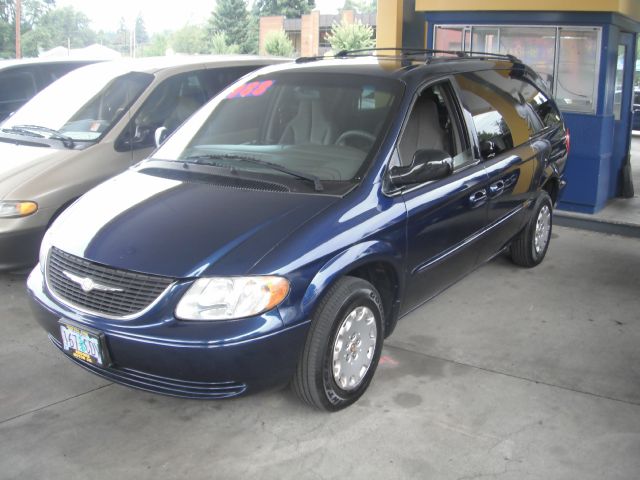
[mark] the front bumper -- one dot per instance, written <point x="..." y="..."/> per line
<point x="19" y="249"/>
<point x="184" y="359"/>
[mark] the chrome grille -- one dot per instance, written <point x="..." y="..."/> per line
<point x="135" y="291"/>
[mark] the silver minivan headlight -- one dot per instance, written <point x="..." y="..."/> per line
<point x="15" y="209"/>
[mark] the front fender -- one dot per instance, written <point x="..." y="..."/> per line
<point x="355" y="256"/>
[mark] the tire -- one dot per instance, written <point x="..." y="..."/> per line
<point x="342" y="320"/>
<point x="530" y="246"/>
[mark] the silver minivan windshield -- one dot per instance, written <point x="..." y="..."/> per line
<point x="81" y="106"/>
<point x="313" y="126"/>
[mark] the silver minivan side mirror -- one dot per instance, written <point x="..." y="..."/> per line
<point x="160" y="135"/>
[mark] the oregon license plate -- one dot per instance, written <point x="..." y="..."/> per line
<point x="83" y="343"/>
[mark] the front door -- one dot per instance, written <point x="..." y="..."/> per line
<point x="621" y="184"/>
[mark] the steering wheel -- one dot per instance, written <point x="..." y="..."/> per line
<point x="349" y="135"/>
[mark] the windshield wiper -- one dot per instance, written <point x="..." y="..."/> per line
<point x="22" y="131"/>
<point x="317" y="184"/>
<point x="65" y="139"/>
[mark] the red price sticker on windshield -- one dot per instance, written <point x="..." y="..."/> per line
<point x="251" y="89"/>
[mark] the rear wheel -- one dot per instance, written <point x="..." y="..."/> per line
<point x="343" y="346"/>
<point x="530" y="246"/>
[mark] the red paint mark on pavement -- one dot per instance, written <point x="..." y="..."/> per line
<point x="387" y="360"/>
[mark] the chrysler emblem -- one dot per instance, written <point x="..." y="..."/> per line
<point x="88" y="284"/>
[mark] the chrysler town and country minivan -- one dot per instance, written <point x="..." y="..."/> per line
<point x="91" y="125"/>
<point x="281" y="232"/>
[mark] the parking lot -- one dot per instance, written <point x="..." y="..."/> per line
<point x="511" y="374"/>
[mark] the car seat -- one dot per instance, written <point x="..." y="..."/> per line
<point x="423" y="130"/>
<point x="309" y="125"/>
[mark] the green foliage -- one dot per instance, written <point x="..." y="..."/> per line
<point x="6" y="39"/>
<point x="361" y="6"/>
<point x="190" y="39"/>
<point x="59" y="27"/>
<point x="32" y="12"/>
<point x="278" y="44"/>
<point x="288" y="8"/>
<point x="350" y="36"/>
<point x="158" y="45"/>
<point x="253" y="35"/>
<point x="220" y="46"/>
<point x="142" y="36"/>
<point x="231" y="17"/>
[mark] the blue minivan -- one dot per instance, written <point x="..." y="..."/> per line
<point x="281" y="232"/>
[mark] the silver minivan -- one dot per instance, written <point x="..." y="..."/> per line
<point x="91" y="124"/>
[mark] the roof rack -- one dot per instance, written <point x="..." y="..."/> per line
<point x="428" y="53"/>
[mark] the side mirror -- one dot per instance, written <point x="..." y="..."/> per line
<point x="160" y="135"/>
<point x="488" y="149"/>
<point x="427" y="165"/>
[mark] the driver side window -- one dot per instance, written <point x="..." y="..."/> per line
<point x="170" y="104"/>
<point x="433" y="124"/>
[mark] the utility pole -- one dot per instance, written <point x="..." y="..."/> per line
<point x="18" y="21"/>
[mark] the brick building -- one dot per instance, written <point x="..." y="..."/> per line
<point x="309" y="33"/>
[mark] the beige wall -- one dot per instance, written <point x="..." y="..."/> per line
<point x="310" y="34"/>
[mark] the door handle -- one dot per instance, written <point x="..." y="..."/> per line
<point x="478" y="198"/>
<point x="497" y="188"/>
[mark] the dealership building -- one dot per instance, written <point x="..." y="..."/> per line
<point x="585" y="51"/>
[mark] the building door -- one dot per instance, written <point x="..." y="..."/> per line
<point x="622" y="184"/>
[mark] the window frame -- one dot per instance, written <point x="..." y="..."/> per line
<point x="460" y="119"/>
<point x="123" y="143"/>
<point x="556" y="58"/>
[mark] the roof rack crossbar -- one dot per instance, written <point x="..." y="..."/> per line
<point x="407" y="52"/>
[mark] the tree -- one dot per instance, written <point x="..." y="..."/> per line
<point x="278" y="44"/>
<point x="231" y="18"/>
<point x="350" y="36"/>
<point x="158" y="45"/>
<point x="220" y="46"/>
<point x="142" y="36"/>
<point x="60" y="26"/>
<point x="361" y="6"/>
<point x="288" y="8"/>
<point x="32" y="12"/>
<point x="190" y="39"/>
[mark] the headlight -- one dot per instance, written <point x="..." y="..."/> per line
<point x="226" y="298"/>
<point x="17" y="209"/>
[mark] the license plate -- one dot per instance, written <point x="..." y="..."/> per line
<point x="84" y="344"/>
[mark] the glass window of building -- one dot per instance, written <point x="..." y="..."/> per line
<point x="566" y="58"/>
<point x="535" y="46"/>
<point x="577" y="70"/>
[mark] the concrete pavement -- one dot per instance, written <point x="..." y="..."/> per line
<point x="620" y="216"/>
<point x="511" y="373"/>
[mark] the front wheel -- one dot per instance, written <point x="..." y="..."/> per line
<point x="343" y="346"/>
<point x="530" y="246"/>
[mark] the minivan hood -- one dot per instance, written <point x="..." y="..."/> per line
<point x="18" y="163"/>
<point x="180" y="229"/>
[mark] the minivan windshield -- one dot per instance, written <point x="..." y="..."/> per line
<point x="82" y="105"/>
<point x="302" y="126"/>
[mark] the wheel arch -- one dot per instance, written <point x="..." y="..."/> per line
<point x="552" y="187"/>
<point x="374" y="261"/>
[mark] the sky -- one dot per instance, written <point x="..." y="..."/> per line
<point x="158" y="15"/>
